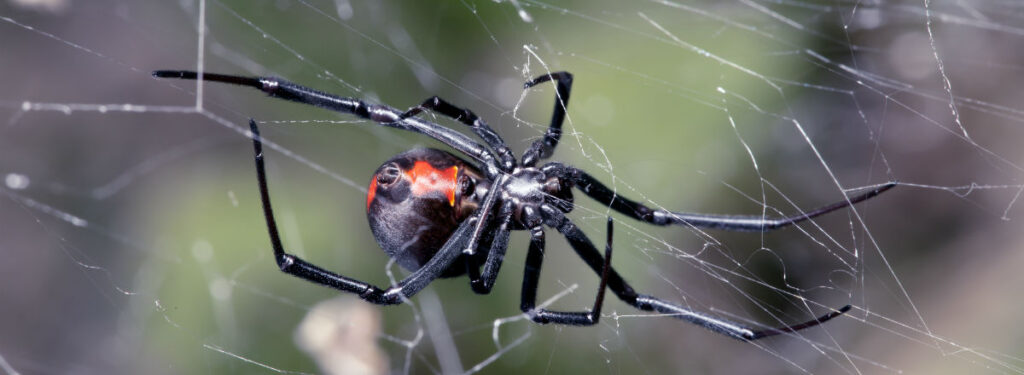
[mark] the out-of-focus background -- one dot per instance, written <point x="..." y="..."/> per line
<point x="132" y="240"/>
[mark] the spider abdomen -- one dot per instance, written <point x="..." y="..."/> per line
<point x="416" y="200"/>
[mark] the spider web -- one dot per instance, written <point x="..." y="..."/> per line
<point x="134" y="241"/>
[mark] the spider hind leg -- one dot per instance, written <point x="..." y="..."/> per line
<point x="531" y="276"/>
<point x="407" y="287"/>
<point x="586" y="250"/>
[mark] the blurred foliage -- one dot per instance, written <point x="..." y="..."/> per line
<point x="664" y="109"/>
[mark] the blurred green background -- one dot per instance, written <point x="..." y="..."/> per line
<point x="696" y="106"/>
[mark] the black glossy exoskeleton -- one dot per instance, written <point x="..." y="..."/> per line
<point x="439" y="215"/>
<point x="415" y="202"/>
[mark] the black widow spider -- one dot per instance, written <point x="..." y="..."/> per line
<point x="433" y="212"/>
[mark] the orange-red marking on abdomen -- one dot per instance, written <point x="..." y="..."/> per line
<point x="426" y="179"/>
<point x="370" y="194"/>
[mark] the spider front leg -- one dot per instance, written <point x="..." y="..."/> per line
<point x="405" y="288"/>
<point x="597" y="190"/>
<point x="531" y="277"/>
<point x="468" y="118"/>
<point x="544" y="147"/>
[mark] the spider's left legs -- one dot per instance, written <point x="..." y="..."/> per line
<point x="544" y="147"/>
<point x="300" y="268"/>
<point x="381" y="114"/>
<point x="597" y="190"/>
<point x="468" y="118"/>
<point x="531" y="277"/>
<point x="585" y="249"/>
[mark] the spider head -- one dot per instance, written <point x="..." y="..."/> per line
<point x="417" y="199"/>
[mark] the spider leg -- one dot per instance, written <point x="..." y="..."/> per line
<point x="597" y="190"/>
<point x="482" y="284"/>
<point x="544" y="147"/>
<point x="467" y="117"/>
<point x="381" y="114"/>
<point x="295" y="266"/>
<point x="531" y="277"/>
<point x="585" y="249"/>
<point x="485" y="222"/>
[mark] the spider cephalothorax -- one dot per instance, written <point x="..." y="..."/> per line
<point x="439" y="215"/>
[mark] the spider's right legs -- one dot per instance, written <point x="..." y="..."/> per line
<point x="531" y="277"/>
<point x="544" y="147"/>
<point x="295" y="266"/>
<point x="597" y="190"/>
<point x="585" y="249"/>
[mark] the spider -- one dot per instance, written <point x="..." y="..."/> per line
<point x="439" y="215"/>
